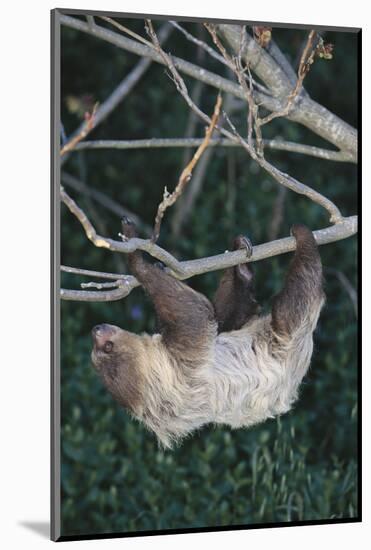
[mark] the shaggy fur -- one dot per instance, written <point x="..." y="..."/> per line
<point x="220" y="363"/>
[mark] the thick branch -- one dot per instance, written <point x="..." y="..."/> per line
<point x="307" y="112"/>
<point x="346" y="228"/>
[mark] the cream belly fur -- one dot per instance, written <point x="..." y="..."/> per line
<point x="244" y="377"/>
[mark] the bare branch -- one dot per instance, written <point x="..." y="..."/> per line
<point x="274" y="144"/>
<point x="235" y="64"/>
<point x="87" y="126"/>
<point x="308" y="112"/>
<point x="311" y="114"/>
<point x="186" y="67"/>
<point x="122" y="286"/>
<point x="213" y="53"/>
<point x="105" y="201"/>
<point x="199" y="43"/>
<point x="304" y="66"/>
<point x="292" y="183"/>
<point x="96" y="295"/>
<point x="185" y="206"/>
<point x="90" y="273"/>
<point x="170" y="199"/>
<point x="117" y="246"/>
<point x="302" y="189"/>
<point x="126" y="30"/>
<point x="346" y="228"/>
<point x="280" y="177"/>
<point x="118" y="94"/>
<point x="100" y="286"/>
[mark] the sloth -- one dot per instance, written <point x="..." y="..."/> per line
<point x="220" y="362"/>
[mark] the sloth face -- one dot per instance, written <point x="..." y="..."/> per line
<point x="115" y="358"/>
<point x="104" y="337"/>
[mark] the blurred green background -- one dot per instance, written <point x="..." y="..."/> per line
<point x="302" y="466"/>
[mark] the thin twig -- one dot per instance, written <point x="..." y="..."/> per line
<point x="124" y="29"/>
<point x="305" y="62"/>
<point x="199" y="43"/>
<point x="170" y="198"/>
<point x="90" y="273"/>
<point x="87" y="127"/>
<point x="118" y="246"/>
<point x="213" y="53"/>
<point x="117" y="96"/>
<point x="235" y="64"/>
<point x="104" y="200"/>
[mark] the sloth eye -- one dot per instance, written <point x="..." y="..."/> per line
<point x="108" y="346"/>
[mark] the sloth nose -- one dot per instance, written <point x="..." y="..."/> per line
<point x="102" y="333"/>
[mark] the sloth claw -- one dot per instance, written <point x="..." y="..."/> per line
<point x="241" y="242"/>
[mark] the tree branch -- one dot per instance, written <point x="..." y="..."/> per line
<point x="346" y="228"/>
<point x="83" y="131"/>
<point x="105" y="201"/>
<point x="310" y="114"/>
<point x="274" y="72"/>
<point x="117" y="246"/>
<point x="307" y="112"/>
<point x="280" y="177"/>
<point x="90" y="273"/>
<point x="118" y="94"/>
<point x="185" y="176"/>
<point x="96" y="295"/>
<point x="186" y="67"/>
<point x="274" y="144"/>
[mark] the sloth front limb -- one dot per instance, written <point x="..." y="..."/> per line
<point x="185" y="317"/>
<point x="302" y="296"/>
<point x="234" y="301"/>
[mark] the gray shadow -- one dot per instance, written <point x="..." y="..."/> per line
<point x="42" y="528"/>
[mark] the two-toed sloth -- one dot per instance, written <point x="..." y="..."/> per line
<point x="221" y="363"/>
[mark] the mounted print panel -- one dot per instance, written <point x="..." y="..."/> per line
<point x="204" y="369"/>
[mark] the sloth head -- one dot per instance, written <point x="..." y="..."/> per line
<point x="116" y="357"/>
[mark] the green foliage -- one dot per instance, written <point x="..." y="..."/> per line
<point x="300" y="467"/>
